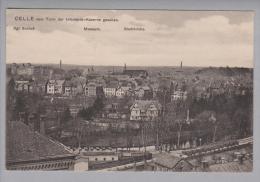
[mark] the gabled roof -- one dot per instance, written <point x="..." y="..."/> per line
<point x="112" y="85"/>
<point x="145" y="104"/>
<point x="167" y="160"/>
<point x="23" y="145"/>
<point x="91" y="84"/>
<point x="69" y="83"/>
<point x="58" y="82"/>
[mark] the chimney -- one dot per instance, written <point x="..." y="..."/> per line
<point x="60" y="64"/>
<point x="181" y="64"/>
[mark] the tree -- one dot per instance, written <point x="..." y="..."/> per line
<point x="204" y="122"/>
<point x="241" y="122"/>
<point x="80" y="82"/>
<point x="86" y="113"/>
<point x="20" y="104"/>
<point x="66" y="116"/>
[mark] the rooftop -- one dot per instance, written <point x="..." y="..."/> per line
<point x="167" y="160"/>
<point x="246" y="166"/>
<point x="23" y="144"/>
<point x="145" y="104"/>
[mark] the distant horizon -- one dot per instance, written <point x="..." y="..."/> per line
<point x="177" y="66"/>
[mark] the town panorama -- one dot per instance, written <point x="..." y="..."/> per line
<point x="89" y="116"/>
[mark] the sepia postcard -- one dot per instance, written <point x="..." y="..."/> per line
<point x="129" y="90"/>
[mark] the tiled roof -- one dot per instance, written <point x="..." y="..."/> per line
<point x="51" y="81"/>
<point x="23" y="144"/>
<point x="247" y="166"/>
<point x="145" y="104"/>
<point x="69" y="84"/>
<point x="112" y="85"/>
<point x="58" y="82"/>
<point x="167" y="160"/>
<point x="91" y="84"/>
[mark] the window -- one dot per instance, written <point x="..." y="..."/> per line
<point x="96" y="159"/>
<point x="112" y="158"/>
<point x="104" y="159"/>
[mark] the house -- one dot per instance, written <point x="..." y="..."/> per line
<point x="59" y="87"/>
<point x="167" y="162"/>
<point x="91" y="89"/>
<point x="23" y="86"/>
<point x="122" y="91"/>
<point x="50" y="87"/>
<point x="110" y="89"/>
<point x="69" y="88"/>
<point x="39" y="86"/>
<point x="139" y="92"/>
<point x="143" y="92"/>
<point x="30" y="150"/>
<point x="101" y="156"/>
<point x="179" y="95"/>
<point x="145" y="110"/>
<point x="155" y="87"/>
<point x="55" y="87"/>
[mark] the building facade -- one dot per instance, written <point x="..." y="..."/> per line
<point x="91" y="90"/>
<point x="179" y="95"/>
<point x="143" y="110"/>
<point x="55" y="87"/>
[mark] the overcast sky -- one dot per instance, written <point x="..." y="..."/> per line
<point x="197" y="38"/>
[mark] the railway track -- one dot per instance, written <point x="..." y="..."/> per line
<point x="218" y="147"/>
